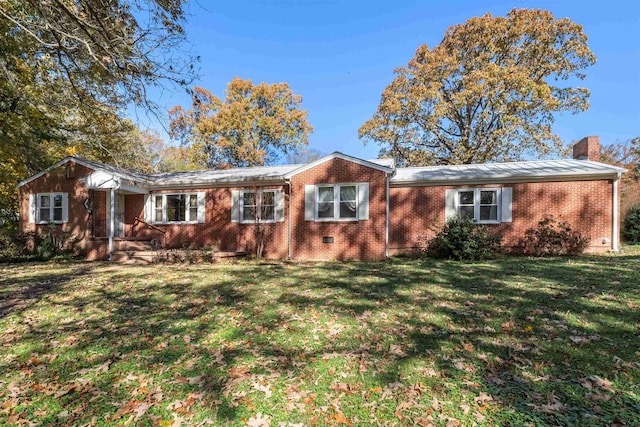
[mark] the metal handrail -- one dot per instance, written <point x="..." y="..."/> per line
<point x="164" y="237"/>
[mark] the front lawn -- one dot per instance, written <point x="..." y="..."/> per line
<point x="509" y="342"/>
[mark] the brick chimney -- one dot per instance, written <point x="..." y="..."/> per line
<point x="588" y="148"/>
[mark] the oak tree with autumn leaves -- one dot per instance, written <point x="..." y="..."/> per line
<point x="69" y="70"/>
<point x="252" y="126"/>
<point x="487" y="92"/>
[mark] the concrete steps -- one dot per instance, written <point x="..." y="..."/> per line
<point x="135" y="257"/>
<point x="142" y="257"/>
<point x="133" y="245"/>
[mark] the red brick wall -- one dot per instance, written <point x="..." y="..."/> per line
<point x="216" y="228"/>
<point x="363" y="239"/>
<point x="56" y="181"/>
<point x="586" y="205"/>
<point x="99" y="212"/>
<point x="414" y="212"/>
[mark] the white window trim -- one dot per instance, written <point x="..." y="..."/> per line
<point x="187" y="214"/>
<point x="65" y="209"/>
<point x="336" y="202"/>
<point x="476" y="203"/>
<point x="258" y="194"/>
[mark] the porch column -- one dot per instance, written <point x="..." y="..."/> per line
<point x="112" y="221"/>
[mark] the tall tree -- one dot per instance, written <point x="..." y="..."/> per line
<point x="624" y="154"/>
<point x="627" y="155"/>
<point x="111" y="51"/>
<point x="68" y="69"/>
<point x="487" y="92"/>
<point x="304" y="155"/>
<point x="252" y="126"/>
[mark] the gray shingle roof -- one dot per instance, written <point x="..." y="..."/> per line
<point x="494" y="172"/>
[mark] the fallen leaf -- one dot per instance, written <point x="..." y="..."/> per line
<point x="141" y="409"/>
<point x="483" y="398"/>
<point x="259" y="420"/>
<point x="263" y="388"/>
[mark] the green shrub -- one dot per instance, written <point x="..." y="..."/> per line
<point x="54" y="242"/>
<point x="631" y="226"/>
<point x="462" y="239"/>
<point x="9" y="247"/>
<point x="552" y="238"/>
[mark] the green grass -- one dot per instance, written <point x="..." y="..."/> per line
<point x="514" y="341"/>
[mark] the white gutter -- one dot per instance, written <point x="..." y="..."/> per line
<point x="615" y="238"/>
<point x="500" y="180"/>
<point x="288" y="182"/>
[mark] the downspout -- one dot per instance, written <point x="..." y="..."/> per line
<point x="112" y="222"/>
<point x="288" y="182"/>
<point x="386" y="226"/>
<point x="616" y="214"/>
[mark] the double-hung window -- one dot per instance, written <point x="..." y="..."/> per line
<point x="478" y="204"/>
<point x="184" y="207"/>
<point x="337" y="202"/>
<point x="258" y="206"/>
<point x="481" y="205"/>
<point x="50" y="208"/>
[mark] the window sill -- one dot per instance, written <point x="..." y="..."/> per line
<point x="337" y="220"/>
<point x="257" y="222"/>
<point x="50" y="222"/>
<point x="175" y="223"/>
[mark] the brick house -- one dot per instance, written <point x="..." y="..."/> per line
<point x="338" y="207"/>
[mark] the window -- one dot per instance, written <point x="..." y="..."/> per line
<point x="178" y="207"/>
<point x="258" y="206"/>
<point x="337" y="202"/>
<point x="482" y="205"/>
<point x="50" y="208"/>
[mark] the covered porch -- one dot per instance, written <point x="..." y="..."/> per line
<point x="116" y="223"/>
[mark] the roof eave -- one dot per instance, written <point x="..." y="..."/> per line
<point x="46" y="171"/>
<point x="503" y="180"/>
<point x="217" y="184"/>
<point x="79" y="161"/>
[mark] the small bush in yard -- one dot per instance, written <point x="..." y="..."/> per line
<point x="552" y="238"/>
<point x="9" y="248"/>
<point x="631" y="227"/>
<point x="462" y="239"/>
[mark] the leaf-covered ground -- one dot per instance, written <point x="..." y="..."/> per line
<point x="403" y="342"/>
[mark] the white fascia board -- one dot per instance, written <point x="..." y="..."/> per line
<point x="216" y="184"/>
<point x="339" y="155"/>
<point x="611" y="167"/>
<point x="47" y="170"/>
<point x="63" y="162"/>
<point x="505" y="180"/>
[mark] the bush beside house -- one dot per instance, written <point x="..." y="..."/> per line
<point x="631" y="227"/>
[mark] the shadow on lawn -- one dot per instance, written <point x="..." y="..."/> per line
<point x="18" y="294"/>
<point x="475" y="309"/>
<point x="485" y="314"/>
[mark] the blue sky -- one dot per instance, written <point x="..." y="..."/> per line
<point x="340" y="55"/>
